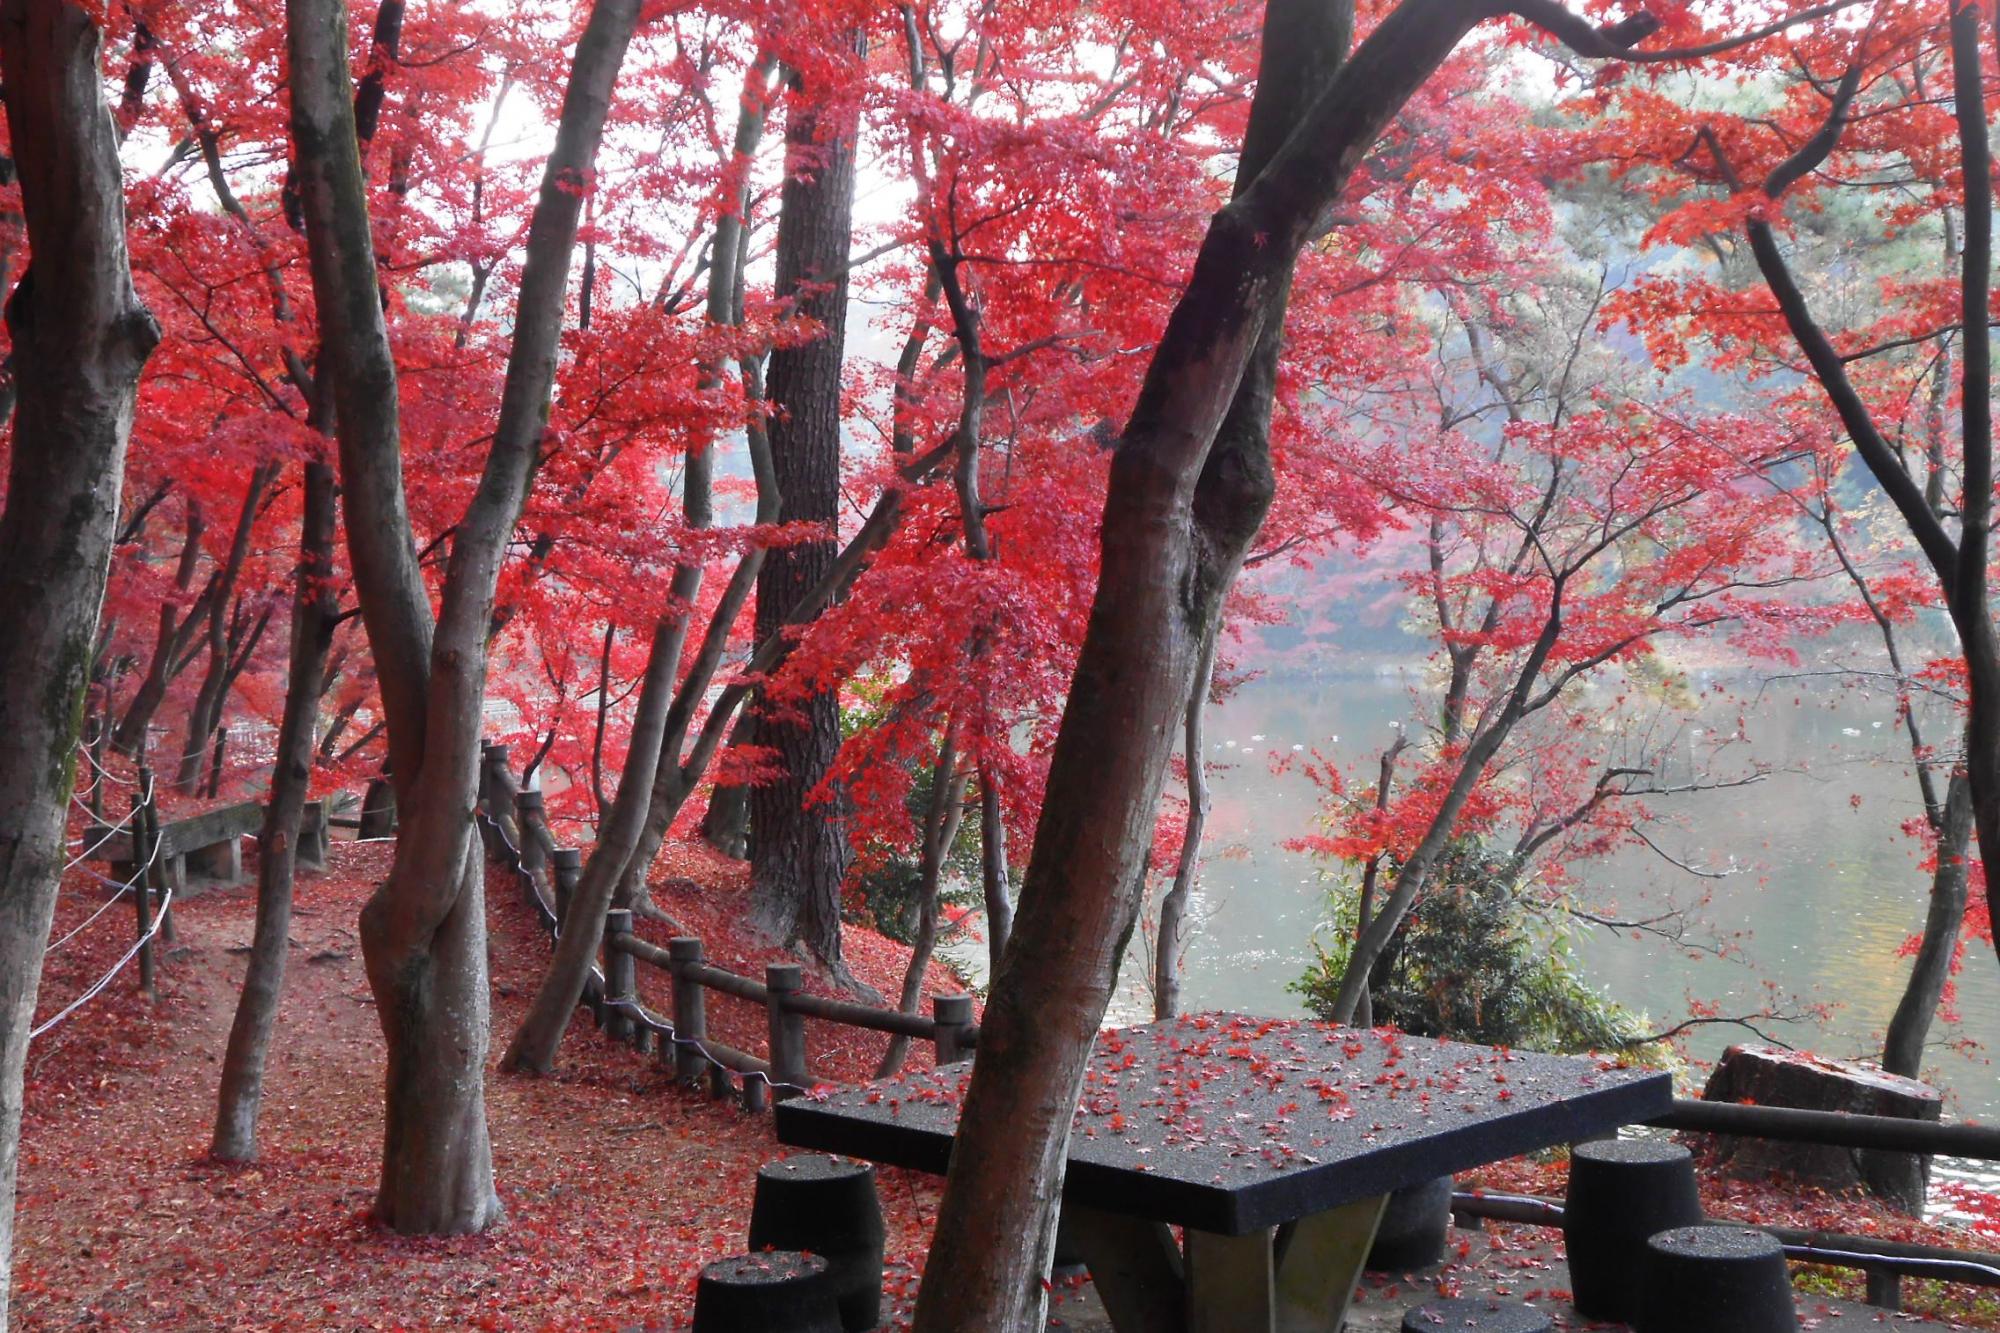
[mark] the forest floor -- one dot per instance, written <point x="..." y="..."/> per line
<point x="618" y="1186"/>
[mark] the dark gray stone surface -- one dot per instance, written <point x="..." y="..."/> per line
<point x="1719" y="1242"/>
<point x="1230" y="1123"/>
<point x="761" y="1269"/>
<point x="1475" y="1314"/>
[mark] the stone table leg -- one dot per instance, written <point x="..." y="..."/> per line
<point x="1135" y="1267"/>
<point x="1297" y="1278"/>
<point x="1319" y="1259"/>
<point x="1231" y="1282"/>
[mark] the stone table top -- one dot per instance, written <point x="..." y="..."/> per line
<point x="1230" y="1123"/>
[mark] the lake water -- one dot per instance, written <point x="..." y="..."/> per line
<point x="1827" y="892"/>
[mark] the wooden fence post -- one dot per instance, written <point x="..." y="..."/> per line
<point x="621" y="974"/>
<point x="568" y="862"/>
<point x="531" y="816"/>
<point x="215" y="766"/>
<point x="788" y="1030"/>
<point x="314" y="834"/>
<point x="378" y="811"/>
<point x="485" y="771"/>
<point x="953" y="1015"/>
<point x="690" y="1009"/>
<point x="157" y="877"/>
<point x="499" y="800"/>
<point x="142" y="887"/>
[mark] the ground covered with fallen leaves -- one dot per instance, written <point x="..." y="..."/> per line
<point x="618" y="1185"/>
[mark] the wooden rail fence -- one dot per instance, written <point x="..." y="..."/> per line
<point x="514" y="825"/>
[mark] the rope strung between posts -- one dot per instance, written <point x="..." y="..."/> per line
<point x="117" y="896"/>
<point x="660" y="1027"/>
<point x="101" y="773"/>
<point x="76" y="863"/>
<point x="152" y="929"/>
<point x="110" y="831"/>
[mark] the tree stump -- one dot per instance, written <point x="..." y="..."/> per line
<point x="1770" y="1076"/>
<point x="314" y="834"/>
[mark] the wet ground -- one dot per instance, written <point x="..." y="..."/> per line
<point x="1512" y="1262"/>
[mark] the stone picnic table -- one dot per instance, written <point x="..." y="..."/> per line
<point x="1272" y="1143"/>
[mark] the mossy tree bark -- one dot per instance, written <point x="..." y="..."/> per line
<point x="80" y="339"/>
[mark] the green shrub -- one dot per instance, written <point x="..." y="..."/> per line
<point x="1472" y="961"/>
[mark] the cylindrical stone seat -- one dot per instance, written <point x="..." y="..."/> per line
<point x="1476" y="1315"/>
<point x="1716" y="1279"/>
<point x="1621" y="1191"/>
<point x="826" y="1206"/>
<point x="1413" y="1229"/>
<point x="778" y="1291"/>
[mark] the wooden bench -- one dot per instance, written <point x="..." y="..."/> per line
<point x="210" y="845"/>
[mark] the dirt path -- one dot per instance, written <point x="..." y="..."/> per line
<point x="617" y="1186"/>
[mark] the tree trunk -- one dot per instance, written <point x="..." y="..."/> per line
<point x="1372" y="944"/>
<point x="798" y="853"/>
<point x="80" y="338"/>
<point x="1189" y="487"/>
<point x="534" y="1046"/>
<point x="1903" y="1047"/>
<point x="170" y="648"/>
<point x="673" y="780"/>
<point x="1960" y="566"/>
<point x="1977" y="635"/>
<point x="1173" y="907"/>
<point x="314" y="610"/>
<point x="423" y="933"/>
<point x="994" y="880"/>
<point x="941" y="820"/>
<point x="205" y="717"/>
<point x="725" y="825"/>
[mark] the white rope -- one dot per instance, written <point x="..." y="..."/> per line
<point x="108" y="904"/>
<point x="110" y="831"/>
<point x="103" y="773"/>
<point x="97" y="988"/>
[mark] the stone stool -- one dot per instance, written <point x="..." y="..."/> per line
<point x="826" y="1206"/>
<point x="1413" y="1228"/>
<point x="778" y="1291"/>
<point x="1621" y="1191"/>
<point x="1716" y="1279"/>
<point x="1476" y="1316"/>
